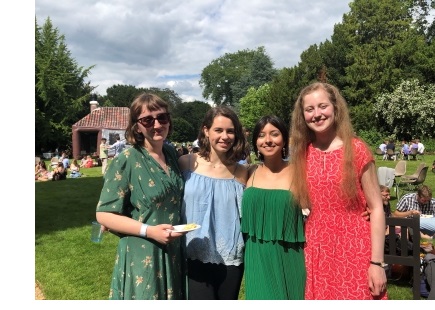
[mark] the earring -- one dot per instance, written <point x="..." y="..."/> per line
<point x="258" y="154"/>
<point x="283" y="152"/>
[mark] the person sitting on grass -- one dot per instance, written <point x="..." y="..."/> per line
<point x="41" y="172"/>
<point x="75" y="169"/>
<point x="37" y="169"/>
<point x="87" y="162"/>
<point x="59" y="173"/>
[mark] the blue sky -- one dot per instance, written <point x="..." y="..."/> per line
<point x="166" y="44"/>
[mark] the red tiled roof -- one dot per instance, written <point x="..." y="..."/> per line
<point x="106" y="117"/>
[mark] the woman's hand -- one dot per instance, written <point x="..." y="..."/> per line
<point x="366" y="214"/>
<point x="163" y="233"/>
<point x="377" y="280"/>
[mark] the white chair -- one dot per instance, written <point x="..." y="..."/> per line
<point x="386" y="177"/>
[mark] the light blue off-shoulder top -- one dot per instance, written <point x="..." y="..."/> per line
<point x="215" y="204"/>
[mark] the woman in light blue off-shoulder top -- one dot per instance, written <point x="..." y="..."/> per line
<point x="214" y="184"/>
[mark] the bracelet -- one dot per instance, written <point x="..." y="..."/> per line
<point x="143" y="230"/>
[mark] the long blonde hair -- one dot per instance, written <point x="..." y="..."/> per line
<point x="302" y="136"/>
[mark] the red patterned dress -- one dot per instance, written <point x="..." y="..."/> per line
<point x="338" y="246"/>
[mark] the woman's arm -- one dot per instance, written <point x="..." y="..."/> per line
<point x="185" y="160"/>
<point x="370" y="185"/>
<point x="126" y="225"/>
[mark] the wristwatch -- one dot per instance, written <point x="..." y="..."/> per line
<point x="380" y="264"/>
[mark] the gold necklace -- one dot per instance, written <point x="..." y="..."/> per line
<point x="162" y="162"/>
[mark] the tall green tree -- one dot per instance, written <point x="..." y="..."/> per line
<point x="61" y="93"/>
<point x="227" y="79"/>
<point x="283" y="92"/>
<point x="384" y="45"/>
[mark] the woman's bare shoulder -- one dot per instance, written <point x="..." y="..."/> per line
<point x="241" y="173"/>
<point x="251" y="169"/>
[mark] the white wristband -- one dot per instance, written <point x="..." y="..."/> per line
<point x="143" y="230"/>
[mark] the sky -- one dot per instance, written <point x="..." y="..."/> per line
<point x="167" y="44"/>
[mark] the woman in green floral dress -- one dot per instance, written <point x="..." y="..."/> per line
<point x="141" y="201"/>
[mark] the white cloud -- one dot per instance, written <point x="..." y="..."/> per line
<point x="153" y="43"/>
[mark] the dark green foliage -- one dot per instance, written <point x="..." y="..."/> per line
<point x="123" y="95"/>
<point x="429" y="145"/>
<point x="283" y="93"/>
<point x="120" y="95"/>
<point x="183" y="130"/>
<point x="362" y="117"/>
<point x="61" y="93"/>
<point x="371" y="137"/>
<point x="192" y="112"/>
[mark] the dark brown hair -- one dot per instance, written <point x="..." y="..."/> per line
<point x="237" y="152"/>
<point x="278" y="123"/>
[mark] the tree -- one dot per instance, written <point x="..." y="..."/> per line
<point x="378" y="44"/>
<point x="123" y="95"/>
<point x="227" y="79"/>
<point x="120" y="95"/>
<point x="261" y="71"/>
<point x="61" y="93"/>
<point x="385" y="48"/>
<point x="409" y="109"/>
<point x="193" y="112"/>
<point x="253" y="107"/>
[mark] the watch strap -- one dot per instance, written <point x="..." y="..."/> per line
<point x="380" y="264"/>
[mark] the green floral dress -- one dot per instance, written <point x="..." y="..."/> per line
<point x="136" y="186"/>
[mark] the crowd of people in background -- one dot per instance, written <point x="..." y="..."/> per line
<point x="62" y="167"/>
<point x="408" y="149"/>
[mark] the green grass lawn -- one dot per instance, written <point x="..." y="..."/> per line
<point x="68" y="266"/>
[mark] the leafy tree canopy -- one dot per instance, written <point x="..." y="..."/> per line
<point x="409" y="109"/>
<point x="227" y="79"/>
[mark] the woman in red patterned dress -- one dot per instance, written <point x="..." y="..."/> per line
<point x="344" y="252"/>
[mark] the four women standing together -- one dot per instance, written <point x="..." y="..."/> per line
<point x="330" y="171"/>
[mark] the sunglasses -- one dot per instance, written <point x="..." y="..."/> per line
<point x="148" y="121"/>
